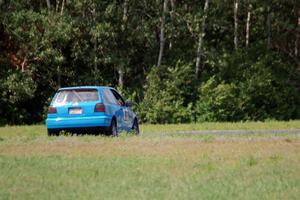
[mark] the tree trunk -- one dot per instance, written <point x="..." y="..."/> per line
<point x="48" y="4"/>
<point x="235" y="12"/>
<point x="269" y="18"/>
<point x="125" y="15"/>
<point x="56" y="5"/>
<point x="162" y="33"/>
<point x="172" y="19"/>
<point x="123" y="27"/>
<point x="58" y="77"/>
<point x="94" y="14"/>
<point x="296" y="46"/>
<point x="200" y="42"/>
<point x="248" y="25"/>
<point x="84" y="8"/>
<point x="23" y="65"/>
<point x="297" y="38"/>
<point x="96" y="71"/>
<point x="62" y="7"/>
<point x="121" y="76"/>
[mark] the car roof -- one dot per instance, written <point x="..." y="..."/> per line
<point x="85" y="87"/>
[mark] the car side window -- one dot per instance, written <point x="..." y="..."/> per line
<point x="118" y="97"/>
<point x="108" y="97"/>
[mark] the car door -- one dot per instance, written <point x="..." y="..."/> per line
<point x="113" y="108"/>
<point x="125" y="112"/>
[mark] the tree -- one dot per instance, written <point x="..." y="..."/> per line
<point x="49" y="44"/>
<point x="268" y="26"/>
<point x="200" y="42"/>
<point x="124" y="23"/>
<point x="248" y="24"/>
<point x="48" y="4"/>
<point x="235" y="16"/>
<point x="162" y="39"/>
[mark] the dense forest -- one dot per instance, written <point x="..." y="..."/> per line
<point x="178" y="60"/>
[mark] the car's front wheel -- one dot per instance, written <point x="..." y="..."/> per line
<point x="135" y="127"/>
<point x="113" y="130"/>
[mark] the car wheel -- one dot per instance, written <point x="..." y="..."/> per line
<point x="52" y="132"/>
<point x="135" y="127"/>
<point x="113" y="130"/>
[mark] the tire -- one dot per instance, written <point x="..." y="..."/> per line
<point x="52" y="132"/>
<point x="113" y="129"/>
<point x="135" y="127"/>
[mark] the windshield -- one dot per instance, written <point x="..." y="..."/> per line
<point x="75" y="96"/>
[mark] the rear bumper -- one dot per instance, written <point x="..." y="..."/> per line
<point x="78" y="122"/>
<point x="82" y="130"/>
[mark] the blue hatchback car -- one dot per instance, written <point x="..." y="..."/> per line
<point x="90" y="109"/>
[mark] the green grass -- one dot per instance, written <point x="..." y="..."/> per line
<point x="170" y="128"/>
<point x="151" y="166"/>
<point x="268" y="125"/>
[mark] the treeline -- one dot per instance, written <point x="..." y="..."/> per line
<point x="179" y="60"/>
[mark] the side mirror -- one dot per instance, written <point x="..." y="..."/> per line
<point x="128" y="103"/>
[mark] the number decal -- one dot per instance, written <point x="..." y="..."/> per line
<point x="126" y="114"/>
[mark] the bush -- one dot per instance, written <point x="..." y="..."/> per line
<point x="17" y="91"/>
<point x="217" y="102"/>
<point x="166" y="97"/>
<point x="255" y="89"/>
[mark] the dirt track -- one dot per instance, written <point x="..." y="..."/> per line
<point x="241" y="132"/>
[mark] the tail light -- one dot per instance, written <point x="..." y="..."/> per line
<point x="99" y="107"/>
<point x="51" y="110"/>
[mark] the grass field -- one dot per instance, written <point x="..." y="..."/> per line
<point x="153" y="165"/>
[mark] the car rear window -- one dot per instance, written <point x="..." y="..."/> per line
<point x="77" y="95"/>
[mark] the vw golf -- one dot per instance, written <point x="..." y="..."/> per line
<point x="89" y="109"/>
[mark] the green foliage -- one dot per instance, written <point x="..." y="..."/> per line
<point x="18" y="87"/>
<point x="258" y="90"/>
<point x="17" y="90"/>
<point x="217" y="102"/>
<point x="90" y="42"/>
<point x="165" y="97"/>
